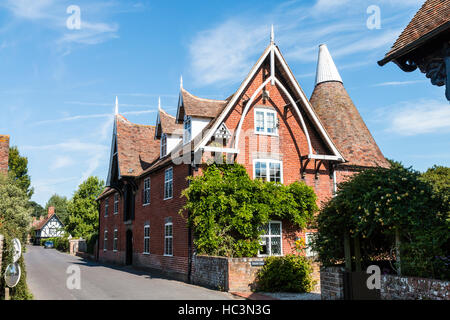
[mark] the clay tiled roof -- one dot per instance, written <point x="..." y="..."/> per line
<point x="168" y="124"/>
<point x="200" y="107"/>
<point x="433" y="17"/>
<point x="345" y="126"/>
<point x="136" y="146"/>
<point x="106" y="191"/>
<point x="39" y="224"/>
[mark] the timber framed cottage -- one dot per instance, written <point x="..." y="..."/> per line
<point x="268" y="125"/>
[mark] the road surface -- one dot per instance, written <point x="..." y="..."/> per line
<point x="47" y="277"/>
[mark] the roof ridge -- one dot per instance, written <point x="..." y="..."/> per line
<point x="205" y="99"/>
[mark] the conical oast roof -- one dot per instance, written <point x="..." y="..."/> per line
<point x="340" y="117"/>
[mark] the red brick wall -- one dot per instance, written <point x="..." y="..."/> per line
<point x="4" y="153"/>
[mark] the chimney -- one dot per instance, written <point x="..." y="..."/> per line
<point x="51" y="210"/>
<point x="4" y="153"/>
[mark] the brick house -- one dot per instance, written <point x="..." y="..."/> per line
<point x="4" y="153"/>
<point x="268" y="125"/>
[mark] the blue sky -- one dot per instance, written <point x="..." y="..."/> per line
<point x="58" y="86"/>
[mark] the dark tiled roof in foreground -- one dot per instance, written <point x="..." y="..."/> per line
<point x="136" y="146"/>
<point x="168" y="124"/>
<point x="199" y="107"/>
<point x="433" y="14"/>
<point x="345" y="126"/>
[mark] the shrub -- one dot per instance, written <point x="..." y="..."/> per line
<point x="290" y="273"/>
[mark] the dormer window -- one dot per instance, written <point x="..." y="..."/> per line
<point x="163" y="145"/>
<point x="187" y="129"/>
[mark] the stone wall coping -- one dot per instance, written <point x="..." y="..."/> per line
<point x="397" y="277"/>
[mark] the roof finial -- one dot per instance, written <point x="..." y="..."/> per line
<point x="116" y="111"/>
<point x="326" y="69"/>
<point x="181" y="81"/>
<point x="159" y="103"/>
<point x="272" y="35"/>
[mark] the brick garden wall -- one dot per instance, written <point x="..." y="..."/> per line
<point x="211" y="272"/>
<point x="332" y="283"/>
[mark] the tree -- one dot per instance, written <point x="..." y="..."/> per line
<point x="83" y="209"/>
<point x="18" y="167"/>
<point x="439" y="178"/>
<point x="382" y="209"/>
<point x="37" y="209"/>
<point x="227" y="209"/>
<point x="60" y="203"/>
<point x="15" y="218"/>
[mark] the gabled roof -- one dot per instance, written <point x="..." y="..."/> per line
<point x="198" y="107"/>
<point x="41" y="223"/>
<point x="166" y="123"/>
<point x="136" y="146"/>
<point x="432" y="18"/>
<point x="343" y="122"/>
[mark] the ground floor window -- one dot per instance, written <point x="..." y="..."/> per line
<point x="115" y="240"/>
<point x="147" y="238"/>
<point x="105" y="240"/>
<point x="168" y="239"/>
<point x="271" y="239"/>
<point x="308" y="242"/>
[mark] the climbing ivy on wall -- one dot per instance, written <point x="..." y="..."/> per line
<point x="227" y="209"/>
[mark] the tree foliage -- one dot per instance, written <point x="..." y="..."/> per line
<point x="37" y="209"/>
<point x="83" y="209"/>
<point x="439" y="178"/>
<point x="18" y="167"/>
<point x="227" y="209"/>
<point x="376" y="203"/>
<point x="60" y="203"/>
<point x="15" y="217"/>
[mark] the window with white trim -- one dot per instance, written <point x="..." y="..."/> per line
<point x="266" y="121"/>
<point x="105" y="240"/>
<point x="147" y="238"/>
<point x="168" y="183"/>
<point x="268" y="170"/>
<point x="163" y="145"/>
<point x="116" y="203"/>
<point x="187" y="133"/>
<point x="168" y="239"/>
<point x="308" y="242"/>
<point x="115" y="239"/>
<point x="271" y="244"/>
<point x="106" y="206"/>
<point x="146" y="194"/>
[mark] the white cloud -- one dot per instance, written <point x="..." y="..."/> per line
<point x="398" y="83"/>
<point x="61" y="162"/>
<point x="419" y="117"/>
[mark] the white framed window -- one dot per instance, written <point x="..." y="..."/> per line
<point x="116" y="203"/>
<point x="268" y="170"/>
<point x="163" y="145"/>
<point x="266" y="121"/>
<point x="146" y="194"/>
<point x="106" y="206"/>
<point x="168" y="239"/>
<point x="271" y="241"/>
<point x="147" y="239"/>
<point x="187" y="132"/>
<point x="168" y="183"/>
<point x="105" y="240"/>
<point x="115" y="240"/>
<point x="308" y="240"/>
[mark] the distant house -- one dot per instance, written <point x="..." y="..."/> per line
<point x="48" y="227"/>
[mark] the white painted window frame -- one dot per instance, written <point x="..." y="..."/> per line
<point x="308" y="251"/>
<point x="147" y="226"/>
<point x="116" y="203"/>
<point x="166" y="182"/>
<point x="265" y="112"/>
<point x="115" y="240"/>
<point x="187" y="128"/>
<point x="105" y="240"/>
<point x="270" y="242"/>
<point x="163" y="150"/>
<point x="168" y="237"/>
<point x="268" y="161"/>
<point x="106" y="206"/>
<point x="146" y="202"/>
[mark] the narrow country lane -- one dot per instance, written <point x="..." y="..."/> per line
<point x="46" y="273"/>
